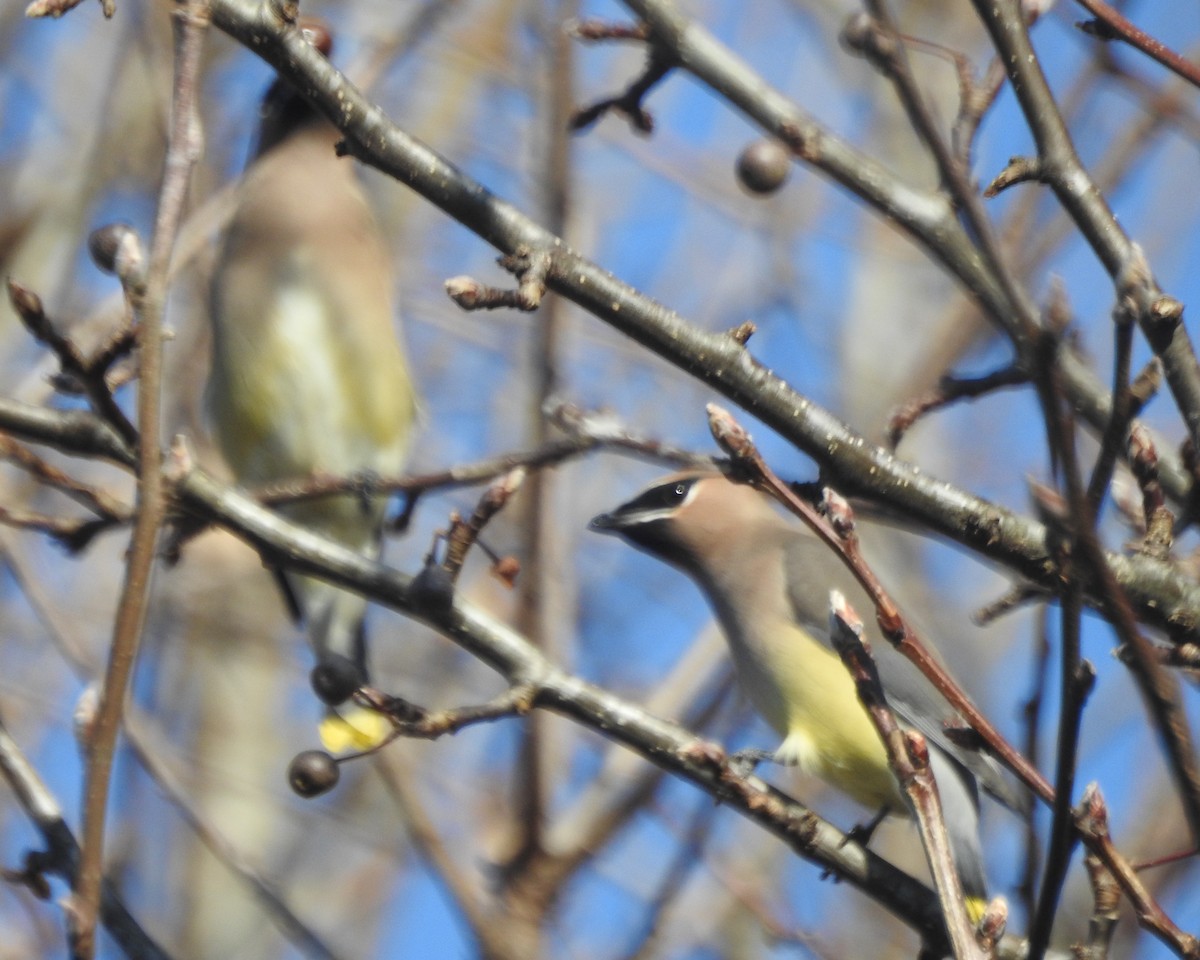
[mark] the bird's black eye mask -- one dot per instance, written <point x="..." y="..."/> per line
<point x="663" y="499"/>
<point x="660" y="502"/>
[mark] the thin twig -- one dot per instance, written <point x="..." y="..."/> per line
<point x="93" y="498"/>
<point x="62" y="851"/>
<point x="541" y="538"/>
<point x="146" y="746"/>
<point x="84" y="374"/>
<point x="1087" y="563"/>
<point x="191" y="27"/>
<point x="1122" y="408"/>
<point x="1031" y="714"/>
<point x="950" y="390"/>
<point x="955" y="179"/>
<point x="659" y="63"/>
<point x="401" y="781"/>
<point x="72" y="534"/>
<point x="1106" y="902"/>
<point x="1159" y="316"/>
<point x="529" y="267"/>
<point x="1158" y="520"/>
<point x="464" y="534"/>
<point x="1077" y="679"/>
<point x="687" y="858"/>
<point x="587" y="433"/>
<point x="908" y="756"/>
<point x="1159" y="688"/>
<point x="419" y="724"/>
<point x="978" y="98"/>
<point x="1119" y="27"/>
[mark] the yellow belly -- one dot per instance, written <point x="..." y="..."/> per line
<point x="805" y="692"/>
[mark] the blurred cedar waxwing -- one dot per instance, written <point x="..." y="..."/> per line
<point x="307" y="375"/>
<point x="769" y="582"/>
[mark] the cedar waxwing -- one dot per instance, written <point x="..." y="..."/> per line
<point x="307" y="374"/>
<point x="769" y="582"/>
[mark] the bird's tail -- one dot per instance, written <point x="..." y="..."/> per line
<point x="960" y="810"/>
<point x="335" y="620"/>
<point x="352" y="729"/>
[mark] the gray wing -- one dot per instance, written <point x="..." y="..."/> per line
<point x="812" y="570"/>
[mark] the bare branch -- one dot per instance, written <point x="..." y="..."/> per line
<point x="182" y="150"/>
<point x="908" y="756"/>
<point x="1065" y="174"/>
<point x="61" y="856"/>
<point x="1117" y="27"/>
<point x="1161" y="595"/>
<point x="950" y="390"/>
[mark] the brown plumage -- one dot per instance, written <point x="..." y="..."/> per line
<point x="769" y="582"/>
<point x="308" y="376"/>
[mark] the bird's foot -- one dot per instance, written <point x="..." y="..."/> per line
<point x="861" y="833"/>
<point x="366" y="485"/>
<point x="402" y="519"/>
<point x="744" y="762"/>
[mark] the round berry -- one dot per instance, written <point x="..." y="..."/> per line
<point x="312" y="773"/>
<point x="764" y="165"/>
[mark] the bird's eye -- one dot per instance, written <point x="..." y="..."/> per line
<point x="681" y="489"/>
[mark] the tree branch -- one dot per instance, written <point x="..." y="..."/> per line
<point x="62" y="851"/>
<point x="191" y="26"/>
<point x="1159" y="316"/>
<point x="1161" y="595"/>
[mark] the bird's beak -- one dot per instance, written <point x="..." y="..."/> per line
<point x="605" y="523"/>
